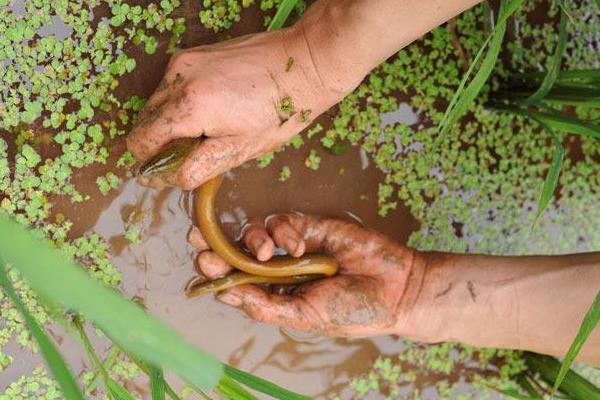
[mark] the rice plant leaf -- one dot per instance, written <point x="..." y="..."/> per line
<point x="116" y="391"/>
<point x="130" y="327"/>
<point x="56" y="363"/>
<point x="514" y="394"/>
<point x="554" y="119"/>
<point x="551" y="180"/>
<point x="231" y="390"/>
<point x="157" y="383"/>
<point x="262" y="385"/>
<point x="464" y="96"/>
<point x="590" y="320"/>
<point x="554" y="69"/>
<point x="282" y="14"/>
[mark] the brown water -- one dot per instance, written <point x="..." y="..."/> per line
<point x="157" y="270"/>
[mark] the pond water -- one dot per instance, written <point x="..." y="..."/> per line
<point x="156" y="271"/>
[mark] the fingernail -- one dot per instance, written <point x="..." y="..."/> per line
<point x="230" y="299"/>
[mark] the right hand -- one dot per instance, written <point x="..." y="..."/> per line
<point x="232" y="93"/>
<point x="372" y="294"/>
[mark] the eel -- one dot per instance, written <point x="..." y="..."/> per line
<point x="279" y="270"/>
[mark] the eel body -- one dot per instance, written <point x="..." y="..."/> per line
<point x="279" y="270"/>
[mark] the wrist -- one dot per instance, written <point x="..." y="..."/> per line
<point x="322" y="37"/>
<point x="419" y="317"/>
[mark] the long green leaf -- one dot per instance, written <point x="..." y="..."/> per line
<point x="141" y="334"/>
<point x="554" y="69"/>
<point x="551" y="180"/>
<point x="55" y="361"/>
<point x="464" y="96"/>
<point x="262" y="385"/>
<point x="282" y="14"/>
<point x="554" y="119"/>
<point x="231" y="390"/>
<point x="514" y="394"/>
<point x="570" y="76"/>
<point x="590" y="320"/>
<point x="157" y="383"/>
<point x="115" y="390"/>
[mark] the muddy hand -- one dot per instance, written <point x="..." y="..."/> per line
<point x="246" y="97"/>
<point x="365" y="298"/>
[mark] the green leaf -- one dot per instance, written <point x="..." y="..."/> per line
<point x="262" y="385"/>
<point x="114" y="389"/>
<point x="282" y="14"/>
<point x="231" y="390"/>
<point x="130" y="327"/>
<point x="55" y="361"/>
<point x="464" y="97"/>
<point x="554" y="69"/>
<point x="590" y="320"/>
<point x="157" y="383"/>
<point x="551" y="180"/>
<point x="514" y="394"/>
<point x="554" y="119"/>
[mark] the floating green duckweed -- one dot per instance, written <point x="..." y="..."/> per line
<point x="60" y="63"/>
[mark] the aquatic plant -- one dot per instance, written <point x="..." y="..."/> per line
<point x="148" y="342"/>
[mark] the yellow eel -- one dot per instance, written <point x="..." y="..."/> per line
<point x="279" y="270"/>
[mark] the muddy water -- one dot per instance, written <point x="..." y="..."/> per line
<point x="157" y="270"/>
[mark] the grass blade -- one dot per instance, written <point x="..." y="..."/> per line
<point x="590" y="320"/>
<point x="148" y="370"/>
<point x="551" y="181"/>
<point x="230" y="389"/>
<point x="282" y="14"/>
<point x="57" y="365"/>
<point x="114" y="389"/>
<point x="570" y="76"/>
<point x="130" y="327"/>
<point x="262" y="385"/>
<point x="553" y="119"/>
<point x="554" y="69"/>
<point x="464" y="96"/>
<point x="157" y="383"/>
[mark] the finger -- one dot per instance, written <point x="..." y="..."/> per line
<point x="160" y="123"/>
<point x="285" y="235"/>
<point x="289" y="311"/>
<point x="212" y="157"/>
<point x="196" y="240"/>
<point x="211" y="265"/>
<point x="257" y="240"/>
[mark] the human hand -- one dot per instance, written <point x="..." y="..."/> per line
<point x="372" y="293"/>
<point x="246" y="97"/>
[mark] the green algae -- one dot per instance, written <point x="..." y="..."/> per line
<point x="59" y="89"/>
<point x="485" y="177"/>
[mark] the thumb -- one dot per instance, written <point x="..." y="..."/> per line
<point x="290" y="311"/>
<point x="212" y="157"/>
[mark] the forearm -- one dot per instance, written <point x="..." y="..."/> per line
<point x="348" y="38"/>
<point x="531" y="303"/>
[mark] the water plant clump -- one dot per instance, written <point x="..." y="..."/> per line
<point x="61" y="64"/>
<point x="220" y="15"/>
<point x="61" y="91"/>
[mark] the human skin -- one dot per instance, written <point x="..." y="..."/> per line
<point x="531" y="303"/>
<point x="232" y="94"/>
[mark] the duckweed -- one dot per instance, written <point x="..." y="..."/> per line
<point x="485" y="176"/>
